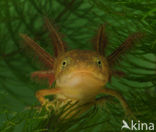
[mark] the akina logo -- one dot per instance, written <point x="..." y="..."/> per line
<point x="137" y="125"/>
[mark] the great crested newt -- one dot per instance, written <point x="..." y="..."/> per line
<point x="80" y="75"/>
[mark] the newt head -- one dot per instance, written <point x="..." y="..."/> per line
<point x="81" y="73"/>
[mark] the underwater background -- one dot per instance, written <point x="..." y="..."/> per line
<point x="77" y="21"/>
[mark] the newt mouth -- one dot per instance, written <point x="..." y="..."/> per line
<point x="90" y="74"/>
<point x="82" y="78"/>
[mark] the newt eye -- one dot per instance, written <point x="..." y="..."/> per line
<point x="64" y="63"/>
<point x="99" y="63"/>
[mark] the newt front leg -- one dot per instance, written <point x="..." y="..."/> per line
<point x="118" y="95"/>
<point x="44" y="92"/>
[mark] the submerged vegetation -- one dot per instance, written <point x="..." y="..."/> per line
<point x="78" y="21"/>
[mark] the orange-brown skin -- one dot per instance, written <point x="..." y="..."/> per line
<point x="80" y="75"/>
